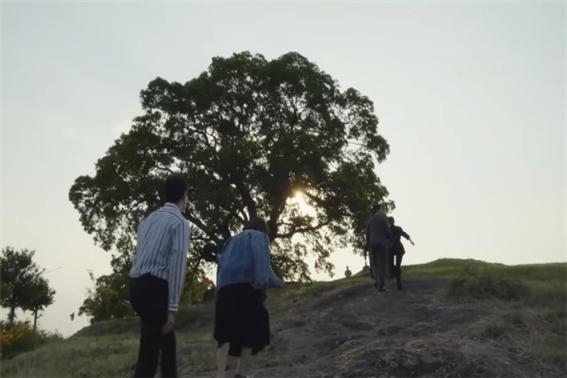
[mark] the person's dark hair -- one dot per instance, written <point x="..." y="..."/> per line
<point x="174" y="187"/>
<point x="391" y="220"/>
<point x="258" y="224"/>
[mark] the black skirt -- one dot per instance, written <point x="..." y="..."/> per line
<point x="241" y="318"/>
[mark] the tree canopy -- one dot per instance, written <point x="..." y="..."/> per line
<point x="22" y="284"/>
<point x="248" y="133"/>
<point x="37" y="295"/>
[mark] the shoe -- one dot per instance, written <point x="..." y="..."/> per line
<point x="399" y="286"/>
<point x="381" y="289"/>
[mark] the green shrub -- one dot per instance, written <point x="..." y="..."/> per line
<point x="484" y="285"/>
<point x="21" y="337"/>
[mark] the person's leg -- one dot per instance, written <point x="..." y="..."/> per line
<point x="375" y="265"/>
<point x="145" y="299"/>
<point x="168" y="354"/>
<point x="148" y="354"/>
<point x="382" y="267"/>
<point x="243" y="364"/>
<point x="371" y="258"/>
<point x="391" y="267"/>
<point x="222" y="355"/>
<point x="233" y="361"/>
<point x="399" y="270"/>
<point x="234" y="354"/>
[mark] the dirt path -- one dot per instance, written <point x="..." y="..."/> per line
<point x="358" y="332"/>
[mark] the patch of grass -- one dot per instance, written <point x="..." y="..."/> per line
<point x="535" y="325"/>
<point x="294" y="294"/>
<point x="528" y="304"/>
<point x="535" y="284"/>
<point x="486" y="286"/>
<point x="108" y="356"/>
<point x="448" y="268"/>
<point x="495" y="330"/>
<point x="535" y="335"/>
<point x="107" y="327"/>
<point x="456" y="268"/>
<point x="21" y="338"/>
<point x="109" y="349"/>
<point x="188" y="316"/>
<point x="191" y="316"/>
<point x="196" y="355"/>
<point x="555" y="272"/>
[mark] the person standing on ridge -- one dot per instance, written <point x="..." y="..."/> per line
<point x="157" y="275"/>
<point x="397" y="251"/>
<point x="242" y="322"/>
<point x="378" y="241"/>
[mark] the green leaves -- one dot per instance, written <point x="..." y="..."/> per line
<point x="22" y="284"/>
<point x="109" y="299"/>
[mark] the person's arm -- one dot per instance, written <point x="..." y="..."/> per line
<point x="178" y="263"/>
<point x="367" y="246"/>
<point x="139" y="231"/>
<point x="406" y="236"/>
<point x="388" y="232"/>
<point x="264" y="276"/>
<point x="367" y="235"/>
<point x="275" y="281"/>
<point x="177" y="269"/>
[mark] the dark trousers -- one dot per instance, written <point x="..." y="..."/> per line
<point x="379" y="264"/>
<point x="149" y="297"/>
<point x="396" y="267"/>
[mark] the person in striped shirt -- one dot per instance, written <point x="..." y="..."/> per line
<point x="157" y="275"/>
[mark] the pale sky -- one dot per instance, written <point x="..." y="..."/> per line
<point x="470" y="95"/>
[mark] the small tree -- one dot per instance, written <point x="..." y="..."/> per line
<point x="22" y="284"/>
<point x="17" y="269"/>
<point x="109" y="299"/>
<point x="37" y="295"/>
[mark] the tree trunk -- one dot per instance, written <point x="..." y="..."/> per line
<point x="12" y="314"/>
<point x="35" y="311"/>
<point x="247" y="199"/>
<point x="277" y="206"/>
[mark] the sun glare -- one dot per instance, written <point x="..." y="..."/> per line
<point x="299" y="199"/>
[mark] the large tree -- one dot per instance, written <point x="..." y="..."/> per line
<point x="248" y="133"/>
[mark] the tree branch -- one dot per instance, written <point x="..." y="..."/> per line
<point x="313" y="198"/>
<point x="277" y="206"/>
<point x="246" y="198"/>
<point x="199" y="223"/>
<point x="224" y="225"/>
<point x="303" y="229"/>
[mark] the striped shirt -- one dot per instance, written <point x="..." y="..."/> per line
<point x="163" y="243"/>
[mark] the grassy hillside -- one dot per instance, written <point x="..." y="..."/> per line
<point x="516" y="313"/>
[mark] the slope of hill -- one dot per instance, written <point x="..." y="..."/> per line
<point x="453" y="318"/>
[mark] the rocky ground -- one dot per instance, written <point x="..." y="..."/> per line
<point x="355" y="331"/>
